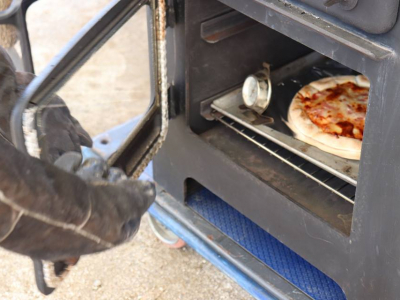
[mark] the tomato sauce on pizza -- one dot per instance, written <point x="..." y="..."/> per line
<point x="330" y="114"/>
<point x="340" y="110"/>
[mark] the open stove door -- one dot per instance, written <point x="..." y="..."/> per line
<point x="147" y="137"/>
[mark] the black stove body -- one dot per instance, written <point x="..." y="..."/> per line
<point x="343" y="217"/>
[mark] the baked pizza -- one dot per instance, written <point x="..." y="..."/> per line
<point x="330" y="114"/>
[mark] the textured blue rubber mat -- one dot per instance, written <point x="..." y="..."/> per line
<point x="265" y="247"/>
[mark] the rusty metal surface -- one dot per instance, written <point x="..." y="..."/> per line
<point x="147" y="138"/>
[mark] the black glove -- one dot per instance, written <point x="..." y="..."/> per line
<point x="50" y="214"/>
<point x="53" y="215"/>
<point x="60" y="131"/>
<point x="95" y="170"/>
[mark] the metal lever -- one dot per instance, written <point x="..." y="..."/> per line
<point x="345" y="4"/>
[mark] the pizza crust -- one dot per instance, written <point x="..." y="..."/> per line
<point x="362" y="81"/>
<point x="305" y="130"/>
<point x="307" y="91"/>
<point x="324" y="84"/>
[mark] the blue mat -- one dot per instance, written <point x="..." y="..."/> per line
<point x="265" y="247"/>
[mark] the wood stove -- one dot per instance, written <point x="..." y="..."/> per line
<point x="338" y="214"/>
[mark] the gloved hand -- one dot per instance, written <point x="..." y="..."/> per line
<point x="60" y="131"/>
<point x="94" y="170"/>
<point x="120" y="204"/>
<point x="54" y="215"/>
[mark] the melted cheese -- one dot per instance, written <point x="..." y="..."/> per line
<point x="340" y="110"/>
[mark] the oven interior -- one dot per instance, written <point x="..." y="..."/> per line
<point x="230" y="47"/>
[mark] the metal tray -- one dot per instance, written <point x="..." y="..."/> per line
<point x="231" y="105"/>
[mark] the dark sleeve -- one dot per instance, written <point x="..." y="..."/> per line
<point x="49" y="214"/>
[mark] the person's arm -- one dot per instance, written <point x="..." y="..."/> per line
<point x="47" y="213"/>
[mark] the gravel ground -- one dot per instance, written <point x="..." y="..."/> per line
<point x="110" y="89"/>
